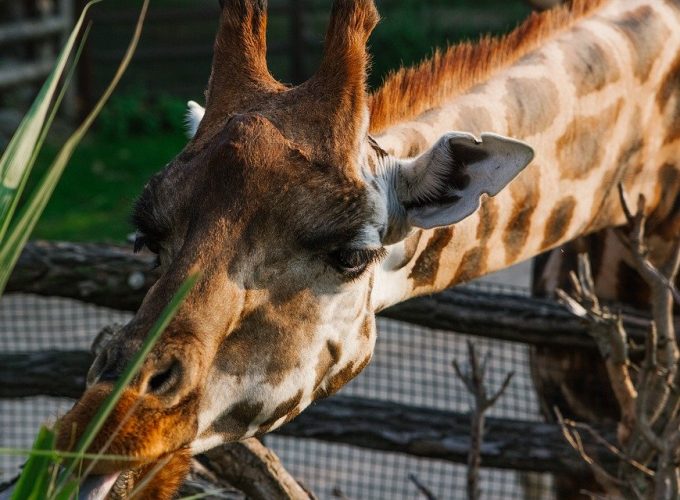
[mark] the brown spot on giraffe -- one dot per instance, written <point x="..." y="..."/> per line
<point x="645" y="33"/>
<point x="281" y="410"/>
<point x="525" y="193"/>
<point x="271" y="329"/>
<point x="532" y="59"/>
<point x="583" y="143"/>
<point x="590" y="65"/>
<point x="472" y="264"/>
<point x="410" y="248"/>
<point x="558" y="223"/>
<point x="337" y="381"/>
<point x="475" y="119"/>
<point x="235" y="422"/>
<point x="488" y="219"/>
<point x="631" y="158"/>
<point x="367" y="327"/>
<point x="334" y="350"/>
<point x="328" y="358"/>
<point x="531" y="105"/>
<point x="418" y="143"/>
<point x="431" y="117"/>
<point x="424" y="271"/>
<point x="668" y="100"/>
<point x="628" y="166"/>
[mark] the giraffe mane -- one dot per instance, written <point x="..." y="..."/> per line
<point x="408" y="92"/>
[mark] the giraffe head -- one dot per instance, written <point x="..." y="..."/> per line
<point x="287" y="209"/>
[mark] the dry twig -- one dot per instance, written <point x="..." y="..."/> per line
<point x="474" y="382"/>
<point x="606" y="328"/>
<point x="611" y="484"/>
<point x="426" y="492"/>
<point x="649" y="431"/>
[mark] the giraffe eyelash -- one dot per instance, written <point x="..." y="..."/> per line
<point x="143" y="241"/>
<point x="352" y="263"/>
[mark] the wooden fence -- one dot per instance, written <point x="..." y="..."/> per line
<point x="117" y="278"/>
<point x="30" y="35"/>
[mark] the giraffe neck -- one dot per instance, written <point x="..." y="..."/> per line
<point x="600" y="104"/>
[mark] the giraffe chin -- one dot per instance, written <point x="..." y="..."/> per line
<point x="142" y="435"/>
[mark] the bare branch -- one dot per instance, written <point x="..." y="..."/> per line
<point x="606" y="328"/>
<point x="606" y="480"/>
<point x="473" y="378"/>
<point x="610" y="447"/>
<point x="634" y="239"/>
<point x="421" y="487"/>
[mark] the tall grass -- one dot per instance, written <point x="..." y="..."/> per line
<point x="42" y="476"/>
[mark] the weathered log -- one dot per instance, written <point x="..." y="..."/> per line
<point x="43" y="373"/>
<point x="509" y="317"/>
<point x="24" y="72"/>
<point x="105" y="275"/>
<point x="32" y="29"/>
<point x="255" y="470"/>
<point x="376" y="425"/>
<point x="114" y="277"/>
<point x="438" y="434"/>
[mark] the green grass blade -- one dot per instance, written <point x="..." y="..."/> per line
<point x="67" y="492"/>
<point x="34" y="480"/>
<point x="22" y="452"/>
<point x="13" y="197"/>
<point x="14" y="166"/>
<point x="27" y="219"/>
<point x="130" y="372"/>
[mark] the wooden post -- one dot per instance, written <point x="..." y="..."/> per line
<point x="70" y="103"/>
<point x="84" y="74"/>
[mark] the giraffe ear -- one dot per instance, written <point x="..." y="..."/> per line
<point x="193" y="118"/>
<point x="444" y="185"/>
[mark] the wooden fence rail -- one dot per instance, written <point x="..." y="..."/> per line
<point x="43" y="34"/>
<point x="22" y="31"/>
<point x="24" y="73"/>
<point x="366" y="423"/>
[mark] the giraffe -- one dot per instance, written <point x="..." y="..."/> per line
<point x="308" y="209"/>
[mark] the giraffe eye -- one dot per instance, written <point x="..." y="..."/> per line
<point x="352" y="262"/>
<point x="143" y="241"/>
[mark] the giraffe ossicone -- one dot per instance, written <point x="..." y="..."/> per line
<point x="304" y="217"/>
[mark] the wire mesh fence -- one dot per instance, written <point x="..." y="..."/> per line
<point x="411" y="365"/>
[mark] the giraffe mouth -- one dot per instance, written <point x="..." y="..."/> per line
<point x="139" y="433"/>
<point x="98" y="487"/>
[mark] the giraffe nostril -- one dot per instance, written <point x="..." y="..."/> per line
<point x="111" y="368"/>
<point x="166" y="379"/>
<point x="110" y="374"/>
